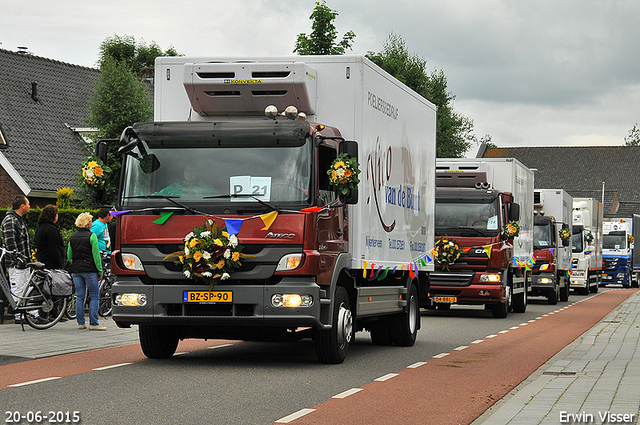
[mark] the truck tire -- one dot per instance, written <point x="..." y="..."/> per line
<point x="636" y="283"/>
<point x="564" y="293"/>
<point x="332" y="344"/>
<point x="405" y="325"/>
<point x="157" y="342"/>
<point x="594" y="288"/>
<point x="587" y="288"/>
<point x="520" y="300"/>
<point x="553" y="296"/>
<point x="380" y="332"/>
<point x="501" y="310"/>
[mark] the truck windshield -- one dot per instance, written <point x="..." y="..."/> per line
<point x="543" y="235"/>
<point x="576" y="242"/>
<point x="472" y="218"/>
<point x="220" y="175"/>
<point x="614" y="241"/>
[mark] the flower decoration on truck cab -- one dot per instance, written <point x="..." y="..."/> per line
<point x="209" y="254"/>
<point x="630" y="239"/>
<point x="343" y="173"/>
<point x="93" y="173"/>
<point x="511" y="230"/>
<point x="565" y="234"/>
<point x="446" y="252"/>
<point x="589" y="238"/>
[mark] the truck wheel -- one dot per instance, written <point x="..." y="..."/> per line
<point x="553" y="296"/>
<point x="636" y="283"/>
<point x="157" y="342"/>
<point x="332" y="345"/>
<point x="500" y="311"/>
<point x="594" y="288"/>
<point x="404" y="326"/>
<point x="564" y="293"/>
<point x="520" y="301"/>
<point x="380" y="332"/>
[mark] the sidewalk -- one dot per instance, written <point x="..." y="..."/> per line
<point x="63" y="338"/>
<point x="594" y="380"/>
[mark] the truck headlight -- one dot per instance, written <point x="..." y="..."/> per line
<point x="132" y="262"/>
<point x="289" y="262"/>
<point x="491" y="278"/>
<point x="291" y="300"/>
<point x="544" y="280"/>
<point x="131" y="300"/>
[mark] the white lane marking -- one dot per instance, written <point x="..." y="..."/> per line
<point x="503" y="332"/>
<point x="112" y="366"/>
<point x="347" y="393"/>
<point x="477" y="341"/>
<point x="490" y="336"/>
<point x="292" y="417"/>
<point x="416" y="365"/>
<point x="37" y="381"/>
<point x="386" y="377"/>
<point x="462" y="347"/>
<point x="441" y="355"/>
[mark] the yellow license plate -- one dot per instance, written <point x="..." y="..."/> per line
<point x="207" y="296"/>
<point x="445" y="299"/>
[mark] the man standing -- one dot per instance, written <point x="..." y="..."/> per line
<point x="15" y="237"/>
<point x="101" y="229"/>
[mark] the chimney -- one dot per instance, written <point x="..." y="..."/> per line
<point x="34" y="91"/>
<point x="23" y="50"/>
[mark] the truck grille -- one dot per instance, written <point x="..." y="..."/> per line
<point x="456" y="279"/>
<point x="210" y="310"/>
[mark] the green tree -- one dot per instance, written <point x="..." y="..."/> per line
<point x="137" y="55"/>
<point x="322" y="40"/>
<point x="454" y="131"/>
<point x="120" y="99"/>
<point x="633" y="139"/>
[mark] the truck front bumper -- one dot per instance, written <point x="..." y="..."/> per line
<point x="543" y="283"/>
<point x="469" y="295"/>
<point x="245" y="305"/>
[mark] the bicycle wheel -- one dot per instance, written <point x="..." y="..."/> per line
<point x="71" y="307"/>
<point x="50" y="309"/>
<point x="104" y="302"/>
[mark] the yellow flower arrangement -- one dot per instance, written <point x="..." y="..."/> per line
<point x="209" y="254"/>
<point x="343" y="173"/>
<point x="630" y="239"/>
<point x="565" y="234"/>
<point x="511" y="230"/>
<point x="93" y="173"/>
<point x="446" y="252"/>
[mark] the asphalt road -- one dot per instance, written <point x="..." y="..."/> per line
<point x="243" y="383"/>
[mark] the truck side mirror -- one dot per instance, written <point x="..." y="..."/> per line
<point x="514" y="211"/>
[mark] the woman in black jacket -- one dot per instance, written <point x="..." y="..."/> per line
<point x="48" y="240"/>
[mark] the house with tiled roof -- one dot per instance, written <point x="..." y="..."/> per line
<point x="584" y="172"/>
<point x="44" y="105"/>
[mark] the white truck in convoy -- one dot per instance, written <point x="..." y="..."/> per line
<point x="484" y="226"/>
<point x="618" y="251"/>
<point x="586" y="245"/>
<point x="552" y="221"/>
<point x="322" y="261"/>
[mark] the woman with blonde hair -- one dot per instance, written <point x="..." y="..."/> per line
<point x="86" y="270"/>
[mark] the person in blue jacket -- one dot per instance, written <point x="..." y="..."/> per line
<point x="100" y="228"/>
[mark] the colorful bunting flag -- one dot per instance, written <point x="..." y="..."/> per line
<point x="164" y="216"/>
<point x="268" y="219"/>
<point x="233" y="225"/>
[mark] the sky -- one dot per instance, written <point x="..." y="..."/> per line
<point x="528" y="73"/>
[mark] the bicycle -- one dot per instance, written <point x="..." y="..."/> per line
<point x="50" y="308"/>
<point x="104" y="291"/>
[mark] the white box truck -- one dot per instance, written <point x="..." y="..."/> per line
<point x="479" y="206"/>
<point x="621" y="264"/>
<point x="553" y="216"/>
<point x="586" y="245"/>
<point x="322" y="262"/>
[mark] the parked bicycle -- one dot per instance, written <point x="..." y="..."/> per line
<point x="104" y="285"/>
<point x="34" y="298"/>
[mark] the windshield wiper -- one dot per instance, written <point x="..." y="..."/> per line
<point x="168" y="198"/>
<point x="244" y="195"/>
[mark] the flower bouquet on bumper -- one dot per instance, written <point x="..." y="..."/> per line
<point x="210" y="254"/>
<point x="446" y="252"/>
